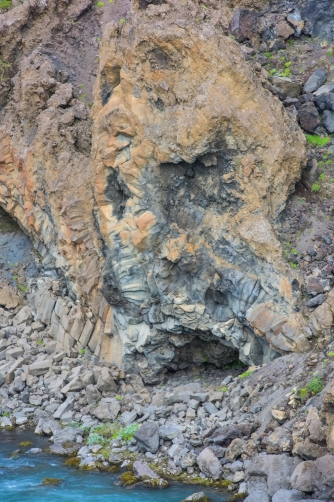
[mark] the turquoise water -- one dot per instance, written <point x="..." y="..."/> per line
<point x="21" y="478"/>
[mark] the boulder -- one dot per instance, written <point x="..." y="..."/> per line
<point x="258" y="496"/>
<point x="197" y="497"/>
<point x="287" y="496"/>
<point x="40" y="367"/>
<point x="274" y="470"/>
<point x="147" y="437"/>
<point x="308" y="117"/>
<point x="303" y="477"/>
<point x="209" y="464"/>
<point x="170" y="431"/>
<point x="244" y="25"/>
<point x="287" y="86"/>
<point x="108" y="409"/>
<point x="328" y="121"/>
<point x="105" y="381"/>
<point x="278" y="441"/>
<point x="316" y="80"/>
<point x="143" y="471"/>
<point x="235" y="449"/>
<point x="93" y="395"/>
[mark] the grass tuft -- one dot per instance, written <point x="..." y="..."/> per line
<point x="313" y="139"/>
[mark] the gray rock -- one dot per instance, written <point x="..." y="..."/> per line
<point x="316" y="80"/>
<point x="209" y="464"/>
<point x="128" y="417"/>
<point x="308" y="117"/>
<point x="93" y="395"/>
<point x="63" y="435"/>
<point x="328" y="121"/>
<point x="303" y="476"/>
<point x="34" y="451"/>
<point x="40" y="367"/>
<point x="170" y="431"/>
<point x="142" y="470"/>
<point x="325" y="101"/>
<point x="64" y="407"/>
<point x="105" y="381"/>
<point x="197" y="497"/>
<point x="274" y="470"/>
<point x="324" y="89"/>
<point x="316" y="300"/>
<point x="148" y="437"/>
<point x="258" y="496"/>
<point x="210" y="408"/>
<point x="108" y="409"/>
<point x="287" y="496"/>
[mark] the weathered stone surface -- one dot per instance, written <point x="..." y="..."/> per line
<point x="287" y="496"/>
<point x="148" y="437"/>
<point x="287" y="86"/>
<point x="107" y="409"/>
<point x="274" y="469"/>
<point x="180" y="190"/>
<point x="303" y="477"/>
<point x="143" y="471"/>
<point x="308" y="116"/>
<point x="316" y="80"/>
<point x="209" y="464"/>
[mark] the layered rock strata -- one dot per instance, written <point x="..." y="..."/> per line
<point x="165" y="231"/>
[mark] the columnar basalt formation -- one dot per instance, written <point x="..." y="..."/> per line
<point x="193" y="163"/>
<point x="165" y="230"/>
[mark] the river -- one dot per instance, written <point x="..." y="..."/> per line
<point x="21" y="479"/>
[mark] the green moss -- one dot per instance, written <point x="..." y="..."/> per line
<point x="315" y="187"/>
<point x="25" y="443"/>
<point x="330" y="354"/>
<point x="237" y="496"/>
<point x="246" y="374"/>
<point x="5" y="4"/>
<point x="52" y="481"/>
<point x="312" y="388"/>
<point x="317" y="140"/>
<point x="128" y="478"/>
<point x="73" y="462"/>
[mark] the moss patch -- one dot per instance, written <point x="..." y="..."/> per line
<point x="52" y="481"/>
<point x="73" y="462"/>
<point x="128" y="478"/>
<point x="25" y="444"/>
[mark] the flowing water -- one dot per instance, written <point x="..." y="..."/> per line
<point x="21" y="478"/>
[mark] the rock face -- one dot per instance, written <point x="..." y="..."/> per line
<point x="165" y="230"/>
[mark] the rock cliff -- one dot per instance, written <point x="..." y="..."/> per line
<point x="164" y="230"/>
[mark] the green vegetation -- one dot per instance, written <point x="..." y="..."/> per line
<point x="268" y="54"/>
<point x="119" y="398"/>
<point x="293" y="265"/>
<point x="322" y="177"/>
<point x="5" y="414"/>
<point x="223" y="389"/>
<point x="246" y="374"/>
<point x="100" y="4"/>
<point x="96" y="439"/>
<point x="330" y="354"/>
<point x="82" y="351"/>
<point x="315" y="187"/>
<point x="312" y="388"/>
<point x="317" y="140"/>
<point x="39" y="342"/>
<point x="5" y="4"/>
<point x="103" y="434"/>
<point x="122" y="21"/>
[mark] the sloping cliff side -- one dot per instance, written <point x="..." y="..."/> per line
<point x="165" y="229"/>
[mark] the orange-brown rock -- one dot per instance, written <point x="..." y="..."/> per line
<point x="165" y="229"/>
